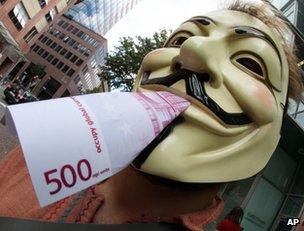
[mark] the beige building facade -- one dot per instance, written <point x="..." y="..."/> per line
<point x="10" y="53"/>
<point x="21" y="23"/>
<point x="69" y="54"/>
<point x="26" y="19"/>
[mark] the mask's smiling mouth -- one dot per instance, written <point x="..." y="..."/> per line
<point x="141" y="158"/>
<point x="195" y="88"/>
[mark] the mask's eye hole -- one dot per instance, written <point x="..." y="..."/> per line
<point x="179" y="41"/>
<point x="250" y="64"/>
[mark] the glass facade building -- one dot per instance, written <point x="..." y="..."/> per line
<point x="100" y="15"/>
<point x="276" y="194"/>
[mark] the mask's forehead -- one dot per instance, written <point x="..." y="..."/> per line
<point x="228" y="19"/>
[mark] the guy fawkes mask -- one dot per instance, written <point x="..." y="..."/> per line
<point x="233" y="70"/>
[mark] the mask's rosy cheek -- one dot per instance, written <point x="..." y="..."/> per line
<point x="253" y="96"/>
<point x="261" y="104"/>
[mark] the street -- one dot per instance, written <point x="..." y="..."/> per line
<point x="7" y="141"/>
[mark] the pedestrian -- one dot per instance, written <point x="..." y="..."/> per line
<point x="232" y="221"/>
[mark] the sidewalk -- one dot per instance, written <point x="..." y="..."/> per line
<point x="7" y="141"/>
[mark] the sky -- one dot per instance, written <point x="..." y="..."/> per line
<point x="149" y="16"/>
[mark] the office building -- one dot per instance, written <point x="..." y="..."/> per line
<point x="10" y="53"/>
<point x="100" y="15"/>
<point x="69" y="54"/>
<point x="21" y="23"/>
<point x="25" y="19"/>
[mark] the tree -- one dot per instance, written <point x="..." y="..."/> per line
<point x="96" y="90"/>
<point x="35" y="70"/>
<point x="122" y="65"/>
<point x="32" y="74"/>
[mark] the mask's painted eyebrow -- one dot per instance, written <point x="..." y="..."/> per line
<point x="246" y="30"/>
<point x="205" y="21"/>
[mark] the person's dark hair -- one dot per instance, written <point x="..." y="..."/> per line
<point x="273" y="19"/>
<point x="236" y="215"/>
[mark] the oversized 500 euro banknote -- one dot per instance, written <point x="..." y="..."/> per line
<point x="72" y="143"/>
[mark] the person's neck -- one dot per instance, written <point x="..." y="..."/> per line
<point x="130" y="196"/>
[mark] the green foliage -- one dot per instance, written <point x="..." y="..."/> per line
<point x="35" y="69"/>
<point x="121" y="66"/>
<point x="95" y="90"/>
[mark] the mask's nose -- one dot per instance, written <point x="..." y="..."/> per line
<point x="203" y="55"/>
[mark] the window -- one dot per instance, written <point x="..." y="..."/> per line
<point x="54" y="44"/>
<point x="42" y="3"/>
<point x="51" y="86"/>
<point x="65" y="69"/>
<point x="63" y="51"/>
<point x="44" y="39"/>
<point x="50" y="15"/>
<point x="49" y="58"/>
<point x="15" y="70"/>
<point x="58" y="48"/>
<point x="18" y="16"/>
<point x="49" y="42"/>
<point x="61" y="35"/>
<point x="65" y="25"/>
<point x="75" y="30"/>
<point x="66" y="39"/>
<point x="55" y="32"/>
<point x="60" y="22"/>
<point x="45" y="54"/>
<point x="279" y="3"/>
<point x="70" y="72"/>
<point x="71" y="42"/>
<point x="86" y="37"/>
<point x="68" y="55"/>
<point x="73" y="59"/>
<point x="41" y="50"/>
<point x="36" y="48"/>
<point x="81" y="49"/>
<point x="95" y="44"/>
<point x="30" y="34"/>
<point x="55" y="61"/>
<point x="85" y="70"/>
<point x="80" y="34"/>
<point x="53" y="12"/>
<point x="90" y="41"/>
<point x="70" y="28"/>
<point x="76" y="45"/>
<point x="59" y="65"/>
<point x="76" y="79"/>
<point x="79" y="62"/>
<point x="66" y="93"/>
<point x="87" y="53"/>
